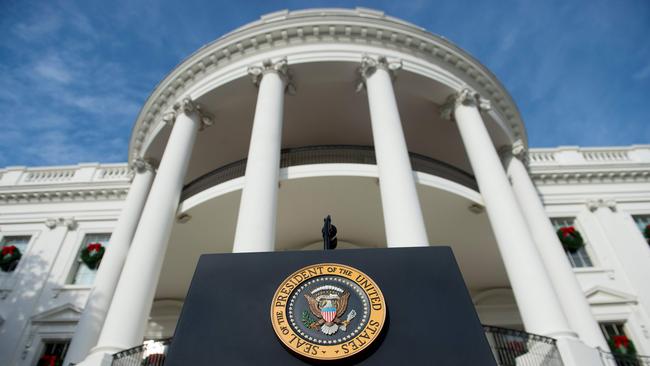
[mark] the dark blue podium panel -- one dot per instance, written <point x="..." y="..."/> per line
<point x="430" y="316"/>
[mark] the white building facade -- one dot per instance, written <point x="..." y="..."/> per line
<point x="402" y="137"/>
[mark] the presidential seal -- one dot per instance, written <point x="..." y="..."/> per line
<point x="328" y="311"/>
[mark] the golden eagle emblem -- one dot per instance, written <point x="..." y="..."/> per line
<point x="328" y="304"/>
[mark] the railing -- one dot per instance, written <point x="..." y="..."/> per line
<point x="510" y="348"/>
<point x="605" y="156"/>
<point x="151" y="353"/>
<point x="113" y="173"/>
<point x="541" y="157"/>
<point x="516" y="348"/>
<point x="49" y="176"/>
<point x="610" y="359"/>
<point x="340" y="154"/>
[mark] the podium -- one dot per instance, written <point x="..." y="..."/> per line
<point x="228" y="317"/>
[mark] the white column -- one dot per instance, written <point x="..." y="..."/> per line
<point x="259" y="201"/>
<point x="403" y="219"/>
<point x="536" y="299"/>
<point x="572" y="299"/>
<point x="99" y="300"/>
<point x="127" y="316"/>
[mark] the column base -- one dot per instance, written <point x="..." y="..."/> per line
<point x="100" y="356"/>
<point x="576" y="353"/>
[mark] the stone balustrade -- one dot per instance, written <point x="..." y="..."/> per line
<point x="16" y="177"/>
<point x="573" y="155"/>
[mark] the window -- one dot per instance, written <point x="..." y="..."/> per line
<point x="611" y="330"/>
<point x="82" y="274"/>
<point x="622" y="347"/>
<point x="643" y="222"/>
<point x="580" y="258"/>
<point x="20" y="242"/>
<point x="53" y="352"/>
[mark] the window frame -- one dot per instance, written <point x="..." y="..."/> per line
<point x="618" y="323"/>
<point x="8" y="280"/>
<point x="586" y="249"/>
<point x="43" y="342"/>
<point x="34" y="348"/>
<point x="4" y="235"/>
<point x="75" y="262"/>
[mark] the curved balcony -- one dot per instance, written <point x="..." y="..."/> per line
<point x="329" y="154"/>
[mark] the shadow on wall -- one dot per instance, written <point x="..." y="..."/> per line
<point x="36" y="308"/>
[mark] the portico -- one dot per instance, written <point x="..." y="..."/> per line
<point x="430" y="121"/>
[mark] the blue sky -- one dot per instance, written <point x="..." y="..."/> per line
<point x="73" y="75"/>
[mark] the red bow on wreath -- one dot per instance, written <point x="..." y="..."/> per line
<point x="94" y="247"/>
<point x="8" y="250"/>
<point x="48" y="360"/>
<point x="566" y="231"/>
<point x="621" y="341"/>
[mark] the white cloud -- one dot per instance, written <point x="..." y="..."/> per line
<point x="509" y="40"/>
<point x="642" y="74"/>
<point x="41" y="26"/>
<point x="53" y="68"/>
<point x="62" y="100"/>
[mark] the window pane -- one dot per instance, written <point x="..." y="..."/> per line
<point x="580" y="258"/>
<point x="642" y="222"/>
<point x="53" y="352"/>
<point x="83" y="274"/>
<point x="19" y="242"/>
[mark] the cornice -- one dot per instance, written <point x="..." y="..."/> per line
<point x="570" y="176"/>
<point x="60" y="194"/>
<point x="287" y="29"/>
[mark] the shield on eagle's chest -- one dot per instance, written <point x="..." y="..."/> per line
<point x="328" y="313"/>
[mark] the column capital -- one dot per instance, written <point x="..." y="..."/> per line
<point x="140" y="165"/>
<point x="517" y="150"/>
<point x="370" y="64"/>
<point x="188" y="107"/>
<point x="68" y="222"/>
<point x="280" y="67"/>
<point x="594" y="205"/>
<point x="466" y="97"/>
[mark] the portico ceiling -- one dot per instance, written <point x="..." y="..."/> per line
<point x="325" y="110"/>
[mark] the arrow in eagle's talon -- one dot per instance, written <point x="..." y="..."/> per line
<point x="345" y="323"/>
<point x="351" y="315"/>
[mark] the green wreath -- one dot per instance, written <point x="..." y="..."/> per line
<point x="92" y="255"/>
<point x="570" y="238"/>
<point x="621" y="345"/>
<point x="9" y="258"/>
